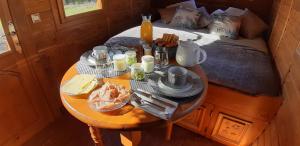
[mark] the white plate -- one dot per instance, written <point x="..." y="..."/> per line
<point x="196" y="87"/>
<point x="115" y="106"/>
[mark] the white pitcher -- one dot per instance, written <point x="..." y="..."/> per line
<point x="189" y="54"/>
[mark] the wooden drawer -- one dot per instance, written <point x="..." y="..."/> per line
<point x="230" y="130"/>
<point x="195" y="120"/>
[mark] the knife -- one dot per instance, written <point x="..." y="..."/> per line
<point x="158" y="99"/>
<point x="148" y="100"/>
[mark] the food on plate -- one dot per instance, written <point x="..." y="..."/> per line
<point x="109" y="96"/>
<point x="168" y="40"/>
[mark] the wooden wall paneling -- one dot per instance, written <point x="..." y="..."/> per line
<point x="274" y="12"/>
<point x="285" y="127"/>
<point x="139" y="7"/>
<point x="44" y="32"/>
<point x="295" y="68"/>
<point x="44" y="39"/>
<point x="119" y="5"/>
<point x="47" y="22"/>
<point x="24" y="111"/>
<point x="280" y="23"/>
<point x="274" y="134"/>
<point x="255" y="143"/>
<point x="269" y="137"/>
<point x="47" y="82"/>
<point x="118" y="21"/>
<point x="288" y="43"/>
<point x="33" y="6"/>
<point x="285" y="51"/>
<point x="21" y="25"/>
<point x="261" y="141"/>
<point x="287" y="120"/>
<point x="121" y="18"/>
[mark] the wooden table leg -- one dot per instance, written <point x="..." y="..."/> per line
<point x="169" y="130"/>
<point x="131" y="138"/>
<point x="96" y="136"/>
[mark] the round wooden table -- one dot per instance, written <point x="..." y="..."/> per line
<point x="128" y="117"/>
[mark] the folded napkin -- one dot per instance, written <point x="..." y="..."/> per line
<point x="153" y="104"/>
<point x="80" y="84"/>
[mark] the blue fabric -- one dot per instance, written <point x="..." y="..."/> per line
<point x="241" y="68"/>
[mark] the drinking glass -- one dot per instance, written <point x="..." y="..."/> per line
<point x="99" y="64"/>
<point x="161" y="57"/>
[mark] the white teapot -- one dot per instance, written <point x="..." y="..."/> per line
<point x="189" y="54"/>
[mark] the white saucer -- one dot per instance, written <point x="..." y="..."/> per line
<point x="194" y="86"/>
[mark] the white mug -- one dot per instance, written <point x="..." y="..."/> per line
<point x="189" y="54"/>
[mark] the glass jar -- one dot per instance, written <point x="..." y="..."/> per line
<point x="130" y="58"/>
<point x="147" y="30"/>
<point x="137" y="72"/>
<point x="119" y="61"/>
<point x="148" y="63"/>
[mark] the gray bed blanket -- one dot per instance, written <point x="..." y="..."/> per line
<point x="240" y="65"/>
<point x="241" y="68"/>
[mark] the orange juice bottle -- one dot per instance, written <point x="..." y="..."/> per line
<point x="147" y="30"/>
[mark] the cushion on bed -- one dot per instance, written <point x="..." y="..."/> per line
<point x="252" y="25"/>
<point x="167" y="14"/>
<point x="186" y="4"/>
<point x="235" y="11"/>
<point x="185" y="18"/>
<point x="218" y="11"/>
<point x="204" y="19"/>
<point x="225" y="25"/>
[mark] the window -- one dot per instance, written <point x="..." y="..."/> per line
<point x="4" y="46"/>
<point x="74" y="7"/>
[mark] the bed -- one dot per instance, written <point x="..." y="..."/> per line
<point x="243" y="64"/>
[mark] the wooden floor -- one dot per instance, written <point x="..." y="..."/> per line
<point x="68" y="131"/>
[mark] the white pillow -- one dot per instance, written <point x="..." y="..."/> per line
<point x="186" y="4"/>
<point x="185" y="18"/>
<point x="225" y="25"/>
<point x="216" y="12"/>
<point x="235" y="11"/>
